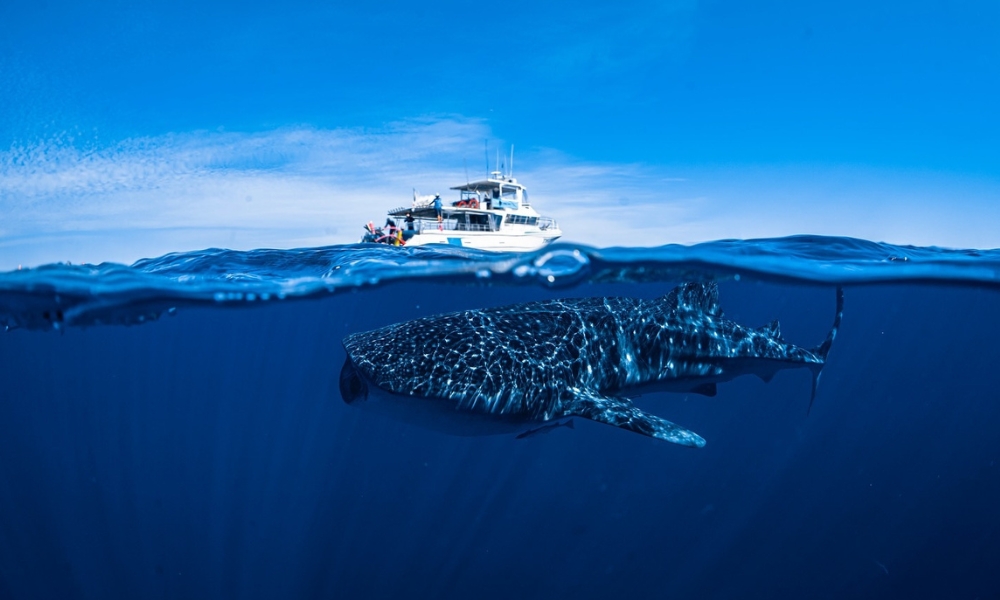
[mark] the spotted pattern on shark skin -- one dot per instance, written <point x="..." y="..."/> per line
<point x="544" y="360"/>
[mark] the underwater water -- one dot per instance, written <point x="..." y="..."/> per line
<point x="174" y="429"/>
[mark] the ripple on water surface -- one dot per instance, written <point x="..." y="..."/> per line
<point x="58" y="295"/>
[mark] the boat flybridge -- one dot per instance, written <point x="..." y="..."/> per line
<point x="492" y="214"/>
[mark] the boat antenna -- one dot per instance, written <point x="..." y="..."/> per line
<point x="466" y="163"/>
<point x="511" y="172"/>
<point x="486" y="154"/>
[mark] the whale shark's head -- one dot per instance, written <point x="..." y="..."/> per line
<point x="353" y="387"/>
<point x="435" y="413"/>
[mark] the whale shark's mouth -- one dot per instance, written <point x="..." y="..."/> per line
<point x="352" y="385"/>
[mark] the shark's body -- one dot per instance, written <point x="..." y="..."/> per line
<point x="512" y="368"/>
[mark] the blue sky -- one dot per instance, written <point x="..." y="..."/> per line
<point x="128" y="129"/>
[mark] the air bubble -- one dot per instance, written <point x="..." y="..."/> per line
<point x="568" y="266"/>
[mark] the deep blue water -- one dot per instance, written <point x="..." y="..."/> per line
<point x="203" y="450"/>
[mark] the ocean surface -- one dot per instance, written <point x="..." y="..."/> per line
<point x="174" y="429"/>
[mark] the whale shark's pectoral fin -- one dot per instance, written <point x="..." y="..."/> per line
<point x="620" y="412"/>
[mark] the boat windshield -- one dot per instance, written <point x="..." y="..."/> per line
<point x="505" y="196"/>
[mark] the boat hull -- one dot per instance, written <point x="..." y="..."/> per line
<point x="492" y="240"/>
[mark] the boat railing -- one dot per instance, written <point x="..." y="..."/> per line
<point x="421" y="225"/>
<point x="449" y="225"/>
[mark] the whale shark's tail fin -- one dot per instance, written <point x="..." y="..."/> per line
<point x="824" y="349"/>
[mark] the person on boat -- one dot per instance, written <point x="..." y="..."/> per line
<point x="438" y="210"/>
<point x="379" y="236"/>
<point x="409" y="222"/>
<point x="370" y="233"/>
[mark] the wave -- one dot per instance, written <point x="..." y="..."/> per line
<point x="58" y="295"/>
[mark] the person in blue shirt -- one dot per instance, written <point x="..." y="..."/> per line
<point x="437" y="209"/>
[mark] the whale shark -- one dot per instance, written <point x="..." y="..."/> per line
<point x="513" y="368"/>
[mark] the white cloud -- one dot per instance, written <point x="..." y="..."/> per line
<point x="287" y="187"/>
<point x="307" y="187"/>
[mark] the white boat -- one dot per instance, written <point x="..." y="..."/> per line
<point x="492" y="214"/>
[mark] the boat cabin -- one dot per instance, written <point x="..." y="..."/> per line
<point x="495" y="193"/>
<point x="486" y="205"/>
<point x="490" y="214"/>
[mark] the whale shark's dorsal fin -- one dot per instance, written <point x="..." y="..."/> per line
<point x="620" y="412"/>
<point x="773" y="329"/>
<point x="694" y="296"/>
